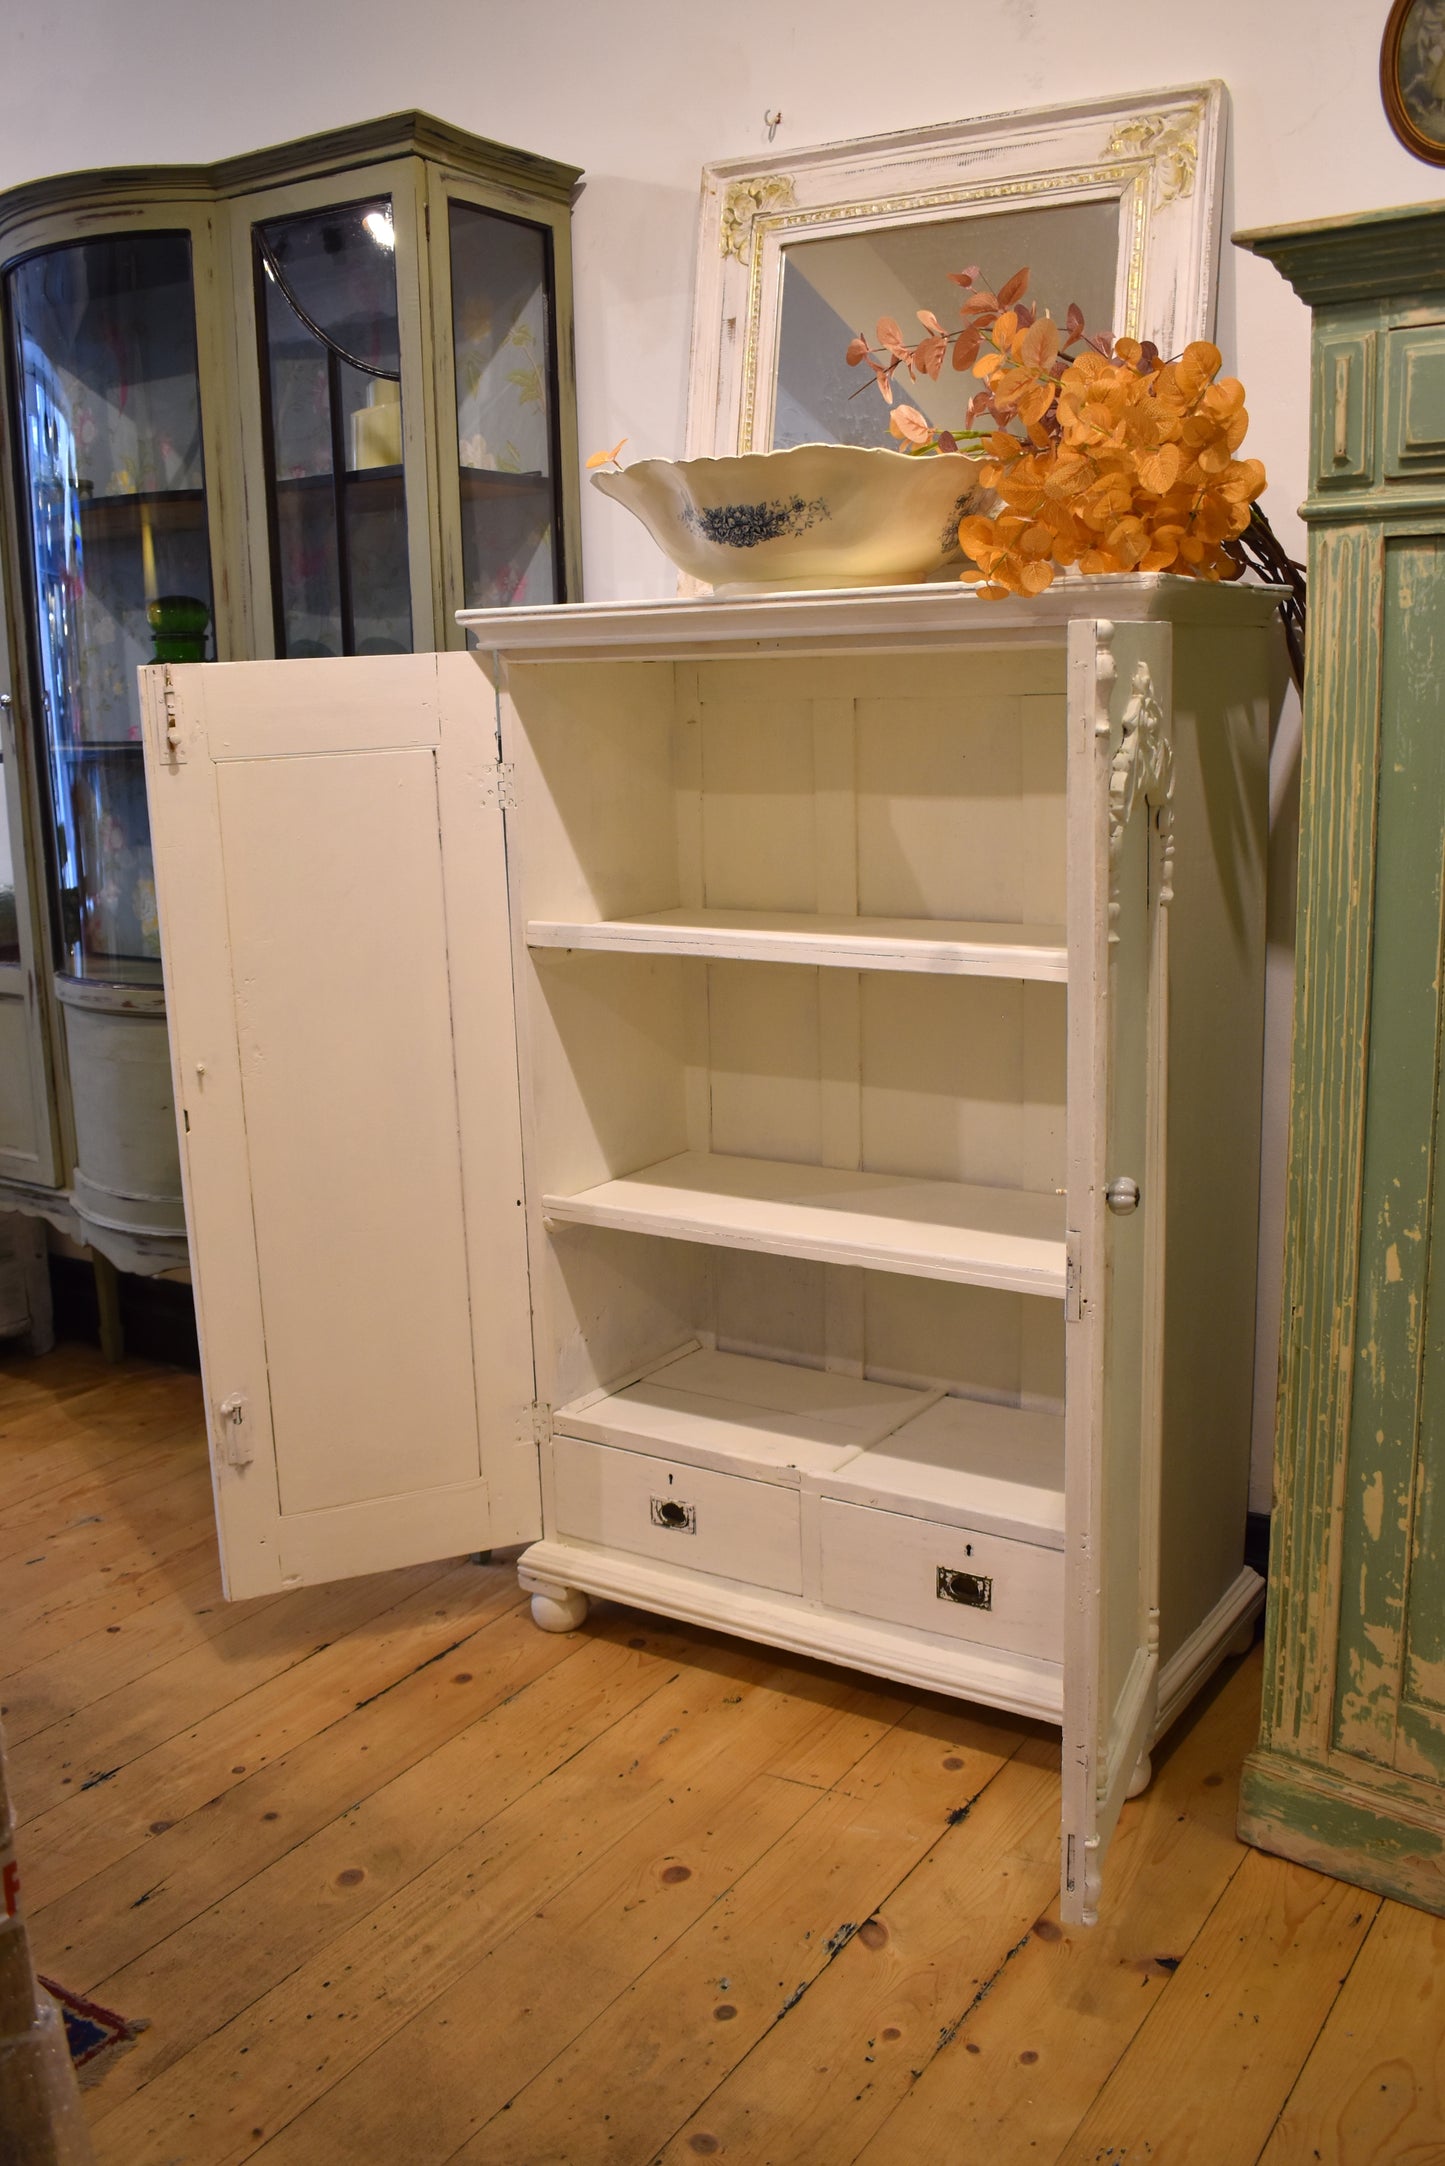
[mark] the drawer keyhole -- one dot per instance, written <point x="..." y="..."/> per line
<point x="970" y="1588"/>
<point x="679" y="1518"/>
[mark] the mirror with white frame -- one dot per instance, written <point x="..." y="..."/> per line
<point x="1114" y="205"/>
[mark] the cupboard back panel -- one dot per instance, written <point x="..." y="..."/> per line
<point x="618" y="1302"/>
<point x="942" y="1078"/>
<point x="897" y="786"/>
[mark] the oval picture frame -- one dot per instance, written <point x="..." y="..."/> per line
<point x="1409" y="70"/>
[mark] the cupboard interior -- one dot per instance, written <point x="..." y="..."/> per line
<point x="794" y="1006"/>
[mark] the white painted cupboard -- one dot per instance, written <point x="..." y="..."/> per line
<point x="758" y="1101"/>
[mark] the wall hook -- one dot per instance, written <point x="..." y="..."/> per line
<point x="773" y="121"/>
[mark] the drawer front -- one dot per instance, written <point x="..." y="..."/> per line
<point x="943" y="1579"/>
<point x="1344" y="409"/>
<point x="677" y="1514"/>
<point x="1415" y="400"/>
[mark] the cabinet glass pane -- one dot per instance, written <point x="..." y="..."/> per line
<point x="104" y="342"/>
<point x="506" y="407"/>
<point x="331" y="366"/>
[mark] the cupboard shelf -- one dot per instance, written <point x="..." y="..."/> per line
<point x="482" y="483"/>
<point x="887" y="1447"/>
<point x="1011" y="1239"/>
<point x="945" y="947"/>
<point x="775" y="1420"/>
<point x="166" y="511"/>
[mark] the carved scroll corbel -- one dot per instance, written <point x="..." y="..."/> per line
<point x="1142" y="770"/>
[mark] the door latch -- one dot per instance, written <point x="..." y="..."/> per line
<point x="175" y="744"/>
<point x="233" y="1436"/>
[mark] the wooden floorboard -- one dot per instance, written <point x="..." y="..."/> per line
<point x="394" y="1877"/>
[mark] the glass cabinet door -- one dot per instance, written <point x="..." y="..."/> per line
<point x="505" y="355"/>
<point x="117" y="552"/>
<point x="326" y="306"/>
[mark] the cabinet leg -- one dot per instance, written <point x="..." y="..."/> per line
<point x="561" y="1610"/>
<point x="1139" y="1780"/>
<point x="1243" y="1639"/>
<point x="107" y="1297"/>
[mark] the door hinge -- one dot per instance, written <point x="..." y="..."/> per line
<point x="1073" y="1278"/>
<point x="233" y="1433"/>
<point x="499" y="786"/>
<point x="541" y="1425"/>
<point x="174" y="746"/>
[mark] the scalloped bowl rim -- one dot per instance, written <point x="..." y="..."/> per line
<point x="742" y="458"/>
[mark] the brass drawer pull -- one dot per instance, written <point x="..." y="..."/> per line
<point x="677" y="1518"/>
<point x="970" y="1588"/>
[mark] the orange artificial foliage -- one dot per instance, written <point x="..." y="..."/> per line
<point x="1112" y="460"/>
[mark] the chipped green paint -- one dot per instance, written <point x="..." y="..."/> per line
<point x="1339" y="1827"/>
<point x="1382" y="1478"/>
<point x="1350" y="1775"/>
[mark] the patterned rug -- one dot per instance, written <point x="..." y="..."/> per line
<point x="96" y="2036"/>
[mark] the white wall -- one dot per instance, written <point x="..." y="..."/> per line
<point x="640" y="92"/>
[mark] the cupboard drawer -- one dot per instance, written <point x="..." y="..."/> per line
<point x="684" y="1515"/>
<point x="943" y="1579"/>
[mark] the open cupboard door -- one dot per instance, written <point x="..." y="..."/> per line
<point x="331" y="878"/>
<point x="1119" y="869"/>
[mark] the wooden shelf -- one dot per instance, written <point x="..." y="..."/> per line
<point x="945" y="947"/>
<point x="168" y="511"/>
<point x="966" y="1463"/>
<point x="888" y="1447"/>
<point x="377" y="477"/>
<point x="774" y="1420"/>
<point x="1003" y="1237"/>
<point x="480" y="482"/>
<point x="484" y="483"/>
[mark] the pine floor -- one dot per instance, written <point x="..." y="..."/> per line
<point x="397" y="1878"/>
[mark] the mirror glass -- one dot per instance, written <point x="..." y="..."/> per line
<point x="836" y="286"/>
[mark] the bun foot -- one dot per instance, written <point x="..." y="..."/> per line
<point x="1140" y="1779"/>
<point x="563" y="1610"/>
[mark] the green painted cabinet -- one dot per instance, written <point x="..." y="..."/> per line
<point x="1350" y="1771"/>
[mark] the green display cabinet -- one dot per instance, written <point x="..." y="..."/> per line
<point x="1350" y="1771"/>
<point x="302" y="403"/>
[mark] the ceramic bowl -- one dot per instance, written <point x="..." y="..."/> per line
<point x="819" y="515"/>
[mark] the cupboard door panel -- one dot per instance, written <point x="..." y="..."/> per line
<point x="357" y="1212"/>
<point x="1119" y="868"/>
<point x="336" y="973"/>
<point x="1415" y="400"/>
